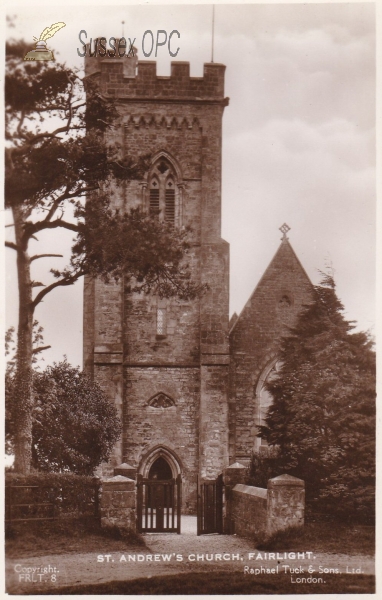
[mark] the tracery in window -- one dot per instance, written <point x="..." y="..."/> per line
<point x="164" y="194"/>
<point x="161" y="401"/>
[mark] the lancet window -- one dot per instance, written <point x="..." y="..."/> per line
<point x="265" y="399"/>
<point x="164" y="193"/>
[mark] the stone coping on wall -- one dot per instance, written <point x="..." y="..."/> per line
<point x="118" y="483"/>
<point x="125" y="470"/>
<point x="251" y="490"/>
<point x="236" y="465"/>
<point x="286" y="480"/>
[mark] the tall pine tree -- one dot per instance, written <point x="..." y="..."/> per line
<point x="58" y="153"/>
<point x="323" y="415"/>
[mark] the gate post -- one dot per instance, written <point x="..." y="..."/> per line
<point x="118" y="502"/>
<point x="139" y="502"/>
<point x="179" y="497"/>
<point x="219" y="503"/>
<point x="233" y="474"/>
<point x="285" y="503"/>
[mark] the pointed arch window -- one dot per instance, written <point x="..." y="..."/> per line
<point x="164" y="192"/>
<point x="154" y="198"/>
<point x="161" y="322"/>
<point x="169" y="214"/>
<point x="265" y="399"/>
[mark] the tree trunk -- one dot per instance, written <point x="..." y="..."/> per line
<point x="23" y="390"/>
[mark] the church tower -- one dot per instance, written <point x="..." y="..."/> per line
<point x="164" y="363"/>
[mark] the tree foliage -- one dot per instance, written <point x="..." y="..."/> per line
<point x="75" y="426"/>
<point x="323" y="413"/>
<point x="264" y="465"/>
<point x="58" y="154"/>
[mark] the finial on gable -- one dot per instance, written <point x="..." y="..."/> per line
<point x="284" y="230"/>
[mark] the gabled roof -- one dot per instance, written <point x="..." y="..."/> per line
<point x="285" y="255"/>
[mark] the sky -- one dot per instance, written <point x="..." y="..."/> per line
<point x="298" y="140"/>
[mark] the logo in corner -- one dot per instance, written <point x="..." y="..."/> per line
<point x="41" y="52"/>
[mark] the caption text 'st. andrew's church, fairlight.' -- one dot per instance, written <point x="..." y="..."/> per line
<point x="187" y="382"/>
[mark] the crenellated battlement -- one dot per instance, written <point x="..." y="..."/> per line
<point x="138" y="80"/>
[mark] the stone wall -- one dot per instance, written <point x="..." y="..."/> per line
<point x="118" y="502"/>
<point x="251" y="511"/>
<point x="88" y="325"/>
<point x="213" y="421"/>
<point x="173" y="428"/>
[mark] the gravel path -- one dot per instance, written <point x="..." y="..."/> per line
<point x="167" y="554"/>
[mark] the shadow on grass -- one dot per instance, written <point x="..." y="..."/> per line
<point x="337" y="538"/>
<point x="65" y="536"/>
<point x="225" y="583"/>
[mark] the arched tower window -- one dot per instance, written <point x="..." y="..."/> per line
<point x="169" y="214"/>
<point x="164" y="193"/>
<point x="154" y="197"/>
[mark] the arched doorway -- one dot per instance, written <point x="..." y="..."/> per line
<point x="160" y="469"/>
<point x="153" y="455"/>
<point x="159" y="493"/>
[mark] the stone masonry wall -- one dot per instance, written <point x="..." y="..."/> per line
<point x="146" y="83"/>
<point x="213" y="441"/>
<point x="110" y="378"/>
<point x="118" y="502"/>
<point x="180" y="345"/>
<point x="286" y="502"/>
<point x="249" y="510"/>
<point x="255" y="511"/>
<point x="88" y="325"/>
<point x="174" y="428"/>
<point x="179" y="117"/>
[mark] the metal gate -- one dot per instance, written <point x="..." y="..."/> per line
<point x="210" y="506"/>
<point x="159" y="505"/>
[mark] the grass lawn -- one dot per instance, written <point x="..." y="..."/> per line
<point x="66" y="537"/>
<point x="331" y="537"/>
<point x="63" y="537"/>
<point x="226" y="583"/>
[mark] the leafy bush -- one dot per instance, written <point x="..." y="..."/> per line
<point x="263" y="466"/>
<point x="75" y="426"/>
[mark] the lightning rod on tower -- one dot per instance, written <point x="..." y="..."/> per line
<point x="213" y="27"/>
